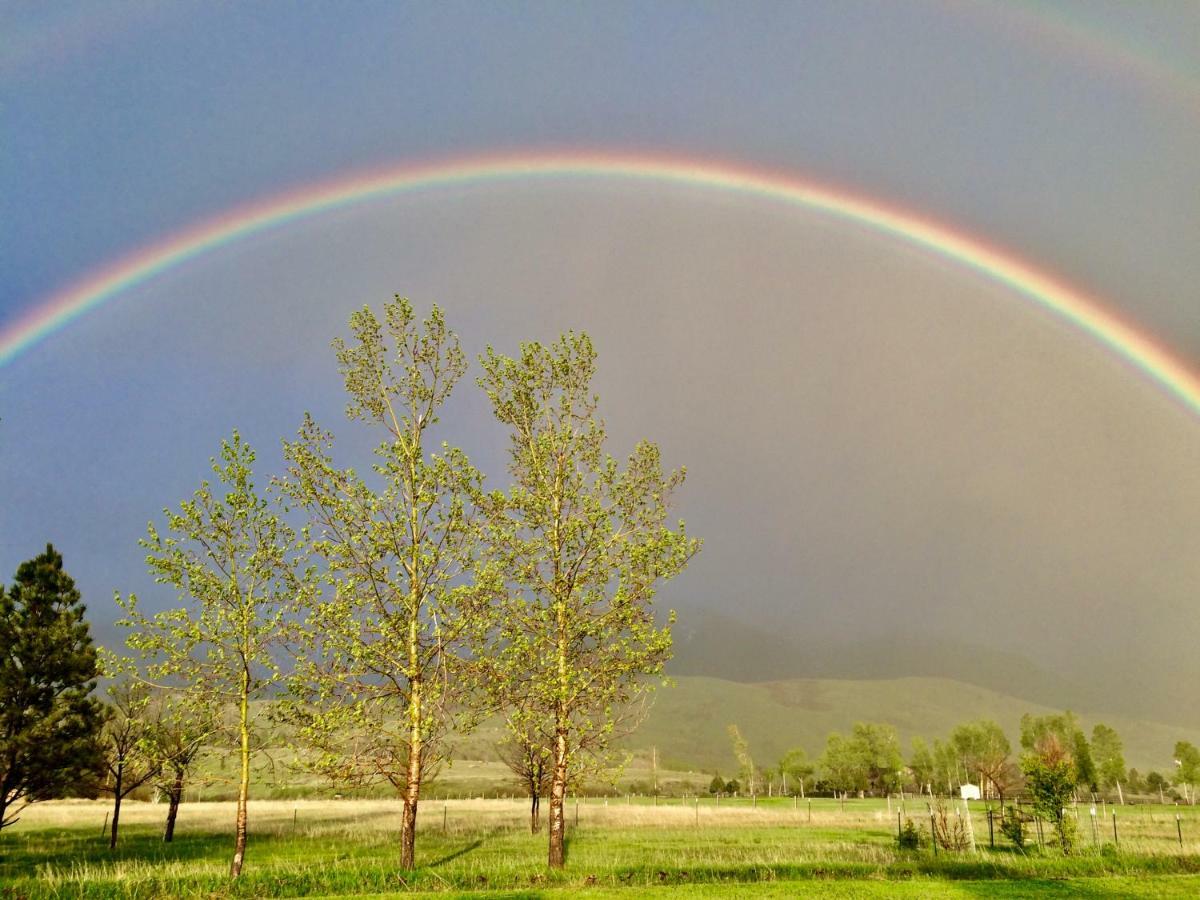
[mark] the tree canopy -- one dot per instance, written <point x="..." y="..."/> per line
<point x="49" y="723"/>
<point x="583" y="542"/>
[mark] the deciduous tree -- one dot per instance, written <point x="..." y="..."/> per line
<point x="386" y="671"/>
<point x="1110" y="758"/>
<point x="1050" y="779"/>
<point x="746" y="767"/>
<point x="876" y="750"/>
<point x="584" y="542"/>
<point x="1069" y="737"/>
<point x="529" y="759"/>
<point x="128" y="738"/>
<point x="234" y="562"/>
<point x="795" y="766"/>
<point x="1187" y="769"/>
<point x="922" y="765"/>
<point x="839" y="765"/>
<point x="984" y="751"/>
<point x="179" y="738"/>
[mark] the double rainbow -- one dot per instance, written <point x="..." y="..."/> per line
<point x="1085" y="313"/>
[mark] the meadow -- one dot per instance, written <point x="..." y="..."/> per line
<point x="617" y="847"/>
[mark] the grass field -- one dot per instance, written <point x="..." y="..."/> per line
<point x="619" y="848"/>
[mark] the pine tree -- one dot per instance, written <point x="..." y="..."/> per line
<point x="49" y="725"/>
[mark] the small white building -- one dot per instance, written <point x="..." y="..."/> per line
<point x="970" y="792"/>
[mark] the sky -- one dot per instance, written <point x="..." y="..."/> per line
<point x="881" y="443"/>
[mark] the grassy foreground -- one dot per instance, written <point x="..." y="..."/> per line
<point x="330" y="848"/>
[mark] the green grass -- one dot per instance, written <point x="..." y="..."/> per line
<point x="349" y="849"/>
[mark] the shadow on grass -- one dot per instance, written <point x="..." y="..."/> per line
<point x="23" y="853"/>
<point x="450" y="857"/>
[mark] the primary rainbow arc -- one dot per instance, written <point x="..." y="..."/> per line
<point x="1067" y="303"/>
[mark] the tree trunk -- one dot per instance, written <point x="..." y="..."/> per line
<point x="174" y="796"/>
<point x="412" y="787"/>
<point x="1120" y="793"/>
<point x="239" y="842"/>
<point x="112" y="840"/>
<point x="412" y="794"/>
<point x="534" y="813"/>
<point x="558" y="795"/>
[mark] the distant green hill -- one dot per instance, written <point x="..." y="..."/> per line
<point x="708" y="643"/>
<point x="688" y="722"/>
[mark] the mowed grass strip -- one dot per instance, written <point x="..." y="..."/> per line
<point x="327" y="848"/>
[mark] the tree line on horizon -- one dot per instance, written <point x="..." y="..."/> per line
<point x="869" y="762"/>
<point x="383" y="608"/>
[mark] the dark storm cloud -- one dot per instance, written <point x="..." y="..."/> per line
<point x="879" y="444"/>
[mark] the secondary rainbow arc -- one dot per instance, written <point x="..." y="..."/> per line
<point x="1086" y="313"/>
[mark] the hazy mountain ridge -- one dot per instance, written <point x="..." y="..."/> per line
<point x="717" y="646"/>
<point x="688" y="721"/>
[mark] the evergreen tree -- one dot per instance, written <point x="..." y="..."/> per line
<point x="49" y="725"/>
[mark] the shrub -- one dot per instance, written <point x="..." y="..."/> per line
<point x="1012" y="826"/>
<point x="910" y="837"/>
<point x="950" y="831"/>
<point x="1068" y="833"/>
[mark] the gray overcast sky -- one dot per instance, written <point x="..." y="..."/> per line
<point x="879" y="442"/>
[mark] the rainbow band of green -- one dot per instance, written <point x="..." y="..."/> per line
<point x="1068" y="304"/>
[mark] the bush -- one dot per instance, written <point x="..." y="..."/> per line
<point x="910" y="837"/>
<point x="949" y="831"/>
<point x="1068" y="833"/>
<point x="1012" y="826"/>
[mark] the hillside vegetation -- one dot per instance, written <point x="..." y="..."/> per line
<point x="688" y="721"/>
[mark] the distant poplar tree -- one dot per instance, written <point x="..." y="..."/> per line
<point x="876" y="751"/>
<point x="1109" y="753"/>
<point x="1064" y="727"/>
<point x="922" y="765"/>
<point x="386" y="671"/>
<point x="796" y="766"/>
<point x="528" y="757"/>
<point x="49" y="723"/>
<point x="233" y="561"/>
<point x="984" y="751"/>
<point x="1187" y="769"/>
<point x="839" y="764"/>
<point x="746" y="767"/>
<point x="584" y="542"/>
<point x="946" y="766"/>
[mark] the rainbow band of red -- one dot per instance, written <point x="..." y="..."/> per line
<point x="1066" y="303"/>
